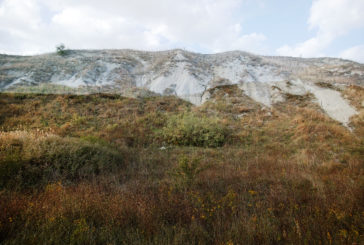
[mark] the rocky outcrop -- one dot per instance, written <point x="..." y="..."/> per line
<point x="186" y="75"/>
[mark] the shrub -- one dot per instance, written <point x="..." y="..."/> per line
<point x="191" y="130"/>
<point x="74" y="159"/>
<point x="28" y="160"/>
<point x="187" y="171"/>
<point x="61" y="49"/>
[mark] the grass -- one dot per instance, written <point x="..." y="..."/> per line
<point x="190" y="130"/>
<point x="30" y="159"/>
<point x="103" y="169"/>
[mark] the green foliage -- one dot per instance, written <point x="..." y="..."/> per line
<point x="38" y="161"/>
<point x="191" y="130"/>
<point x="74" y="159"/>
<point x="61" y="50"/>
<point x="9" y="169"/>
<point x="187" y="171"/>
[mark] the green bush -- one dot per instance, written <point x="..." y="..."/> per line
<point x="29" y="161"/>
<point x="192" y="130"/>
<point x="61" y="49"/>
<point x="187" y="171"/>
<point x="73" y="159"/>
<point x="9" y="169"/>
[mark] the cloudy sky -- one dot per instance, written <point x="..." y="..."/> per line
<point x="272" y="27"/>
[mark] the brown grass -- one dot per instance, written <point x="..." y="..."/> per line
<point x="290" y="175"/>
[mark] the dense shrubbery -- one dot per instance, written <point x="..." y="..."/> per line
<point x="188" y="129"/>
<point x="27" y="160"/>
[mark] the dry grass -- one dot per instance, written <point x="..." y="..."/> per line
<point x="286" y="176"/>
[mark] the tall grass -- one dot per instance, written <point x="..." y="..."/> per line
<point x="104" y="169"/>
<point x="31" y="159"/>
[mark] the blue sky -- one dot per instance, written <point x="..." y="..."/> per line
<point x="270" y="27"/>
<point x="281" y="21"/>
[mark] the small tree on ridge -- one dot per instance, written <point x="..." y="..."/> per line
<point x="61" y="49"/>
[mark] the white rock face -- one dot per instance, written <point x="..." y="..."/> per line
<point x="258" y="91"/>
<point x="73" y="82"/>
<point x="189" y="75"/>
<point x="180" y="81"/>
<point x="332" y="103"/>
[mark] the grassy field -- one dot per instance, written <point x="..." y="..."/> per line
<point x="103" y="169"/>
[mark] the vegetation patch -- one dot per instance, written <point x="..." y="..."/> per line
<point x="188" y="129"/>
<point x="326" y="85"/>
<point x="104" y="169"/>
<point x="30" y="160"/>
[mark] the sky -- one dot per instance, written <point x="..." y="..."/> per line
<point x="302" y="28"/>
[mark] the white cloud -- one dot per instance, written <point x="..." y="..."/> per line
<point x="254" y="41"/>
<point x="354" y="53"/>
<point x="33" y="26"/>
<point x="336" y="17"/>
<point x="331" y="19"/>
<point x="310" y="48"/>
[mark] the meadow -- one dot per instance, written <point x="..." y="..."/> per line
<point x="105" y="169"/>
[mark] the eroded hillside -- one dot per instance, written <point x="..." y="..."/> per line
<point x="187" y="75"/>
<point x="97" y="169"/>
<point x="129" y="147"/>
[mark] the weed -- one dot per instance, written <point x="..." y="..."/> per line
<point x="190" y="130"/>
<point x="80" y="169"/>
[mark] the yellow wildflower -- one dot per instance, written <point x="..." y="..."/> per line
<point x="252" y="192"/>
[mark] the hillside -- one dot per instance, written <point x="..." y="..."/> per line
<point x="240" y="149"/>
<point x="187" y="75"/>
<point x="95" y="169"/>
